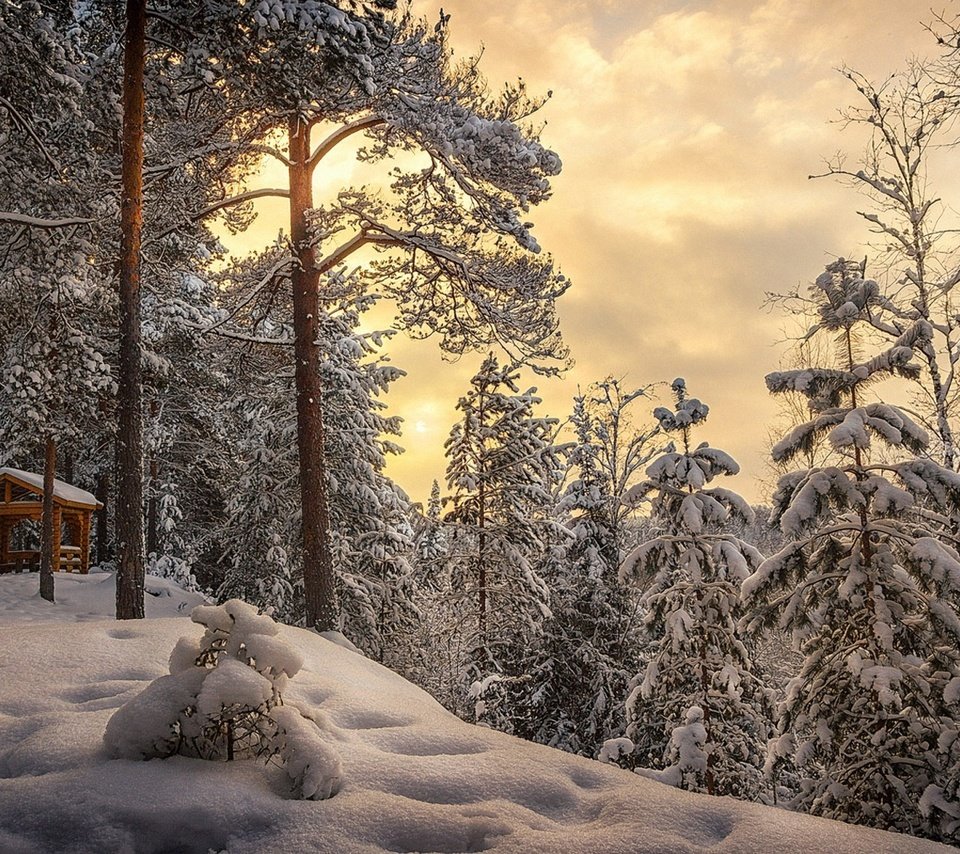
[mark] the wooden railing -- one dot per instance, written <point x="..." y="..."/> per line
<point x="28" y="560"/>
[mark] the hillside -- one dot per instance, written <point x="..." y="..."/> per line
<point x="416" y="779"/>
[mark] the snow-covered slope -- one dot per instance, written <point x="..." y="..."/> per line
<point x="415" y="777"/>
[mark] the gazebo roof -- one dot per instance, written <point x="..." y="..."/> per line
<point x="63" y="493"/>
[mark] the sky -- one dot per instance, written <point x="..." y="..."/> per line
<point x="687" y="131"/>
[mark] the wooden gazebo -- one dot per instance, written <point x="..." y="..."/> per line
<point x="22" y="498"/>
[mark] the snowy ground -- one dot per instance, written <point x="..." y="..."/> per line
<point x="415" y="777"/>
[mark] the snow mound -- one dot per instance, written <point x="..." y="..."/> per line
<point x="414" y="777"/>
<point x="85" y="597"/>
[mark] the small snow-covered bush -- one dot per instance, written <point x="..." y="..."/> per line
<point x="688" y="755"/>
<point x="223" y="700"/>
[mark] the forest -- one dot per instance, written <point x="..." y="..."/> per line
<point x="584" y="579"/>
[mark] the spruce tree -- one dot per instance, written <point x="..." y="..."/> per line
<point x="866" y="588"/>
<point x="580" y="669"/>
<point x="431" y="547"/>
<point x="501" y="465"/>
<point x="698" y="673"/>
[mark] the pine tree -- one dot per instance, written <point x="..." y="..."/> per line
<point x="461" y="260"/>
<point x="698" y="672"/>
<point x="431" y="547"/>
<point x="129" y="526"/>
<point x="53" y="344"/>
<point x="371" y="536"/>
<point x="867" y="589"/>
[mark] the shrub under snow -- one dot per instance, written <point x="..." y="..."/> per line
<point x="223" y="700"/>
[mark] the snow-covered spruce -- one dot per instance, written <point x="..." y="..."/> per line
<point x="587" y="653"/>
<point x="867" y="590"/>
<point x="698" y="673"/>
<point x="501" y="470"/>
<point x="431" y="541"/>
<point x="370" y="533"/>
<point x="223" y="699"/>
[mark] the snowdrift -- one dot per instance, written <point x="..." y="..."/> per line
<point x="415" y="778"/>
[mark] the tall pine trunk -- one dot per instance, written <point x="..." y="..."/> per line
<point x="129" y="512"/>
<point x="48" y="532"/>
<point x="318" y="581"/>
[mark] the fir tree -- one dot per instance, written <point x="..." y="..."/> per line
<point x="431" y="546"/>
<point x="698" y="672"/>
<point x="866" y="588"/>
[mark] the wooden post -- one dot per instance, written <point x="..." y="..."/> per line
<point x="4" y="541"/>
<point x="85" y="542"/>
<point x="57" y="534"/>
<point x="50" y="526"/>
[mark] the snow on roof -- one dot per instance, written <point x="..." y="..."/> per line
<point x="415" y="778"/>
<point x="62" y="490"/>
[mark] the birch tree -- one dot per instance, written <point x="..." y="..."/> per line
<point x="910" y="116"/>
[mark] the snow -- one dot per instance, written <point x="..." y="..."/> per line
<point x="85" y="597"/>
<point x="61" y="490"/>
<point x="412" y="776"/>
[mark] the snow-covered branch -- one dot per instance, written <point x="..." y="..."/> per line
<point x="40" y="222"/>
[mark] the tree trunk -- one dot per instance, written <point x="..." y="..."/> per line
<point x="48" y="532"/>
<point x="153" y="510"/>
<point x="481" y="524"/>
<point x="129" y="513"/>
<point x="318" y="581"/>
<point x="67" y="468"/>
<point x="482" y="561"/>
<point x="103" y="517"/>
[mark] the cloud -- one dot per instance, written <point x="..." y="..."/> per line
<point x="687" y="129"/>
<point x="687" y="132"/>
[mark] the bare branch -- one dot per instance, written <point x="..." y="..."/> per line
<point x="339" y="135"/>
<point x="273" y="192"/>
